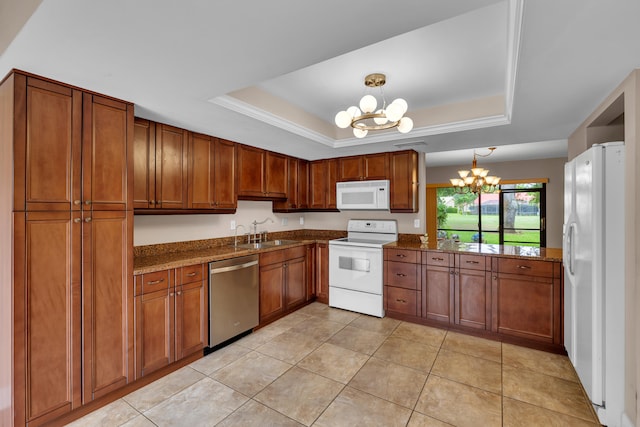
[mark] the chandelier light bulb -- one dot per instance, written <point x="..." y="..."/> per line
<point x="360" y="133"/>
<point x="405" y="125"/>
<point x="368" y="103"/>
<point x="343" y="119"/>
<point x="353" y="112"/>
<point x="394" y="112"/>
<point x="402" y="103"/>
<point x="463" y="174"/>
<point x="380" y="120"/>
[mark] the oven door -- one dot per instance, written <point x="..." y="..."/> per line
<point x="355" y="268"/>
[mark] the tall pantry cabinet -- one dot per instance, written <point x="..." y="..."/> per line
<point x="70" y="194"/>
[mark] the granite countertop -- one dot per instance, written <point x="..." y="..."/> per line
<point x="528" y="252"/>
<point x="151" y="258"/>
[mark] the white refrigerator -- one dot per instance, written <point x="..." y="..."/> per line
<point x="593" y="257"/>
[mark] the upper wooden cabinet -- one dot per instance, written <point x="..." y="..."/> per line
<point x="71" y="148"/>
<point x="160" y="166"/>
<point x="261" y="174"/>
<point x="298" y="187"/>
<point x="323" y="175"/>
<point x="403" y="176"/>
<point x="211" y="172"/>
<point x="367" y="167"/>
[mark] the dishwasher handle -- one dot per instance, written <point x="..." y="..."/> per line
<point x="233" y="267"/>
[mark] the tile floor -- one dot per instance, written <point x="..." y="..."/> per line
<point x="322" y="366"/>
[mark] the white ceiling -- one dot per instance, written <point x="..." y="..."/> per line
<point x="549" y="62"/>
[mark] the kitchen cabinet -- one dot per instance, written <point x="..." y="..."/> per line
<point x="160" y="163"/>
<point x="211" y="173"/>
<point x="262" y="174"/>
<point x="402" y="281"/>
<point x="283" y="282"/>
<point x="311" y="271"/>
<point x="438" y="286"/>
<point x="322" y="272"/>
<point x="403" y="177"/>
<point x="298" y="187"/>
<point x="323" y="175"/>
<point x="472" y="294"/>
<point x="528" y="299"/>
<point x="72" y="238"/>
<point x="171" y="310"/>
<point x="366" y="167"/>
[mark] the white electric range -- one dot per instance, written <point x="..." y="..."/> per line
<point x="355" y="266"/>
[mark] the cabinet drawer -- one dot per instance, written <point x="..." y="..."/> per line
<point x="525" y="267"/>
<point x="191" y="273"/>
<point x="436" y="258"/>
<point x="282" y="255"/>
<point x="297" y="252"/>
<point x="402" y="255"/>
<point x="473" y="262"/>
<point x="402" y="300"/>
<point x="151" y="282"/>
<point x="402" y="275"/>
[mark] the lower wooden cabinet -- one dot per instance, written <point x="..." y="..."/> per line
<point x="283" y="282"/>
<point x="170" y="317"/>
<point x="472" y="291"/>
<point x="402" y="279"/>
<point x="438" y="286"/>
<point x="322" y="273"/>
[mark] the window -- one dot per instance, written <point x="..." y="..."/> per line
<point x="514" y="216"/>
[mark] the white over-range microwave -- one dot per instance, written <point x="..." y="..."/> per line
<point x="363" y="195"/>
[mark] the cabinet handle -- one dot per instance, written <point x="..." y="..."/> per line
<point x="152" y="202"/>
<point x="87" y="202"/>
<point x="401" y="300"/>
<point x="437" y="259"/>
<point x="191" y="274"/>
<point x="155" y="282"/>
<point x="76" y="220"/>
<point x="523" y="267"/>
<point x="87" y="219"/>
<point x="171" y="294"/>
<point x="473" y="262"/>
<point x="401" y="255"/>
<point x="76" y="202"/>
<point x="495" y="277"/>
<point x="400" y="274"/>
<point x="179" y="293"/>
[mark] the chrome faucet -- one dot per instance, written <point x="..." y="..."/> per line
<point x="235" y="237"/>
<point x="255" y="224"/>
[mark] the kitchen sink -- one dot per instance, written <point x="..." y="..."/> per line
<point x="266" y="244"/>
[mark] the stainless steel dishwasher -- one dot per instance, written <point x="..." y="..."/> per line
<point x="233" y="298"/>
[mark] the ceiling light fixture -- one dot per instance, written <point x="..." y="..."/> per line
<point x="479" y="181"/>
<point x="364" y="119"/>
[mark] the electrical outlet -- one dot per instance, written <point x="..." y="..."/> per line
<point x="285" y="221"/>
<point x="301" y="220"/>
<point x="233" y="224"/>
<point x="416" y="223"/>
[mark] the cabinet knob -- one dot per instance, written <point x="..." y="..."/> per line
<point x="76" y="220"/>
<point x="87" y="219"/>
<point x="152" y="202"/>
<point x="87" y="202"/>
<point x="77" y="202"/>
<point x="171" y="294"/>
<point x="179" y="293"/>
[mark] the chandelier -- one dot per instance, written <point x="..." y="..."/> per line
<point x="367" y="118"/>
<point x="479" y="181"/>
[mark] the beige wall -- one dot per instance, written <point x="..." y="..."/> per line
<point x="553" y="169"/>
<point x="626" y="95"/>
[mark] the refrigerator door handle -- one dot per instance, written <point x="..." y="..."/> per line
<point x="570" y="247"/>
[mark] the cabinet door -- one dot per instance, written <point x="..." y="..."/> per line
<point x="322" y="273"/>
<point x="171" y="167"/>
<point x="291" y="204"/>
<point x="154" y="313"/>
<point x="201" y="164"/>
<point x="438" y="293"/>
<point x="271" y="291"/>
<point x="251" y="171"/>
<point x="376" y="166"/>
<point x="144" y="164"/>
<point x="224" y="175"/>
<point x="404" y="181"/>
<point x="107" y="292"/>
<point x="311" y="272"/>
<point x="48" y="146"/>
<point x="351" y="168"/>
<point x="106" y="153"/>
<point x="303" y="184"/>
<point x="473" y="298"/>
<point x="191" y="318"/>
<point x="318" y="181"/>
<point x="528" y="307"/>
<point x="332" y="176"/>
<point x="276" y="175"/>
<point x="295" y="283"/>
<point x="47" y="339"/>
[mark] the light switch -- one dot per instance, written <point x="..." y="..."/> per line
<point x="233" y="224"/>
<point x="285" y="221"/>
<point x="416" y="223"/>
<point x="301" y="220"/>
